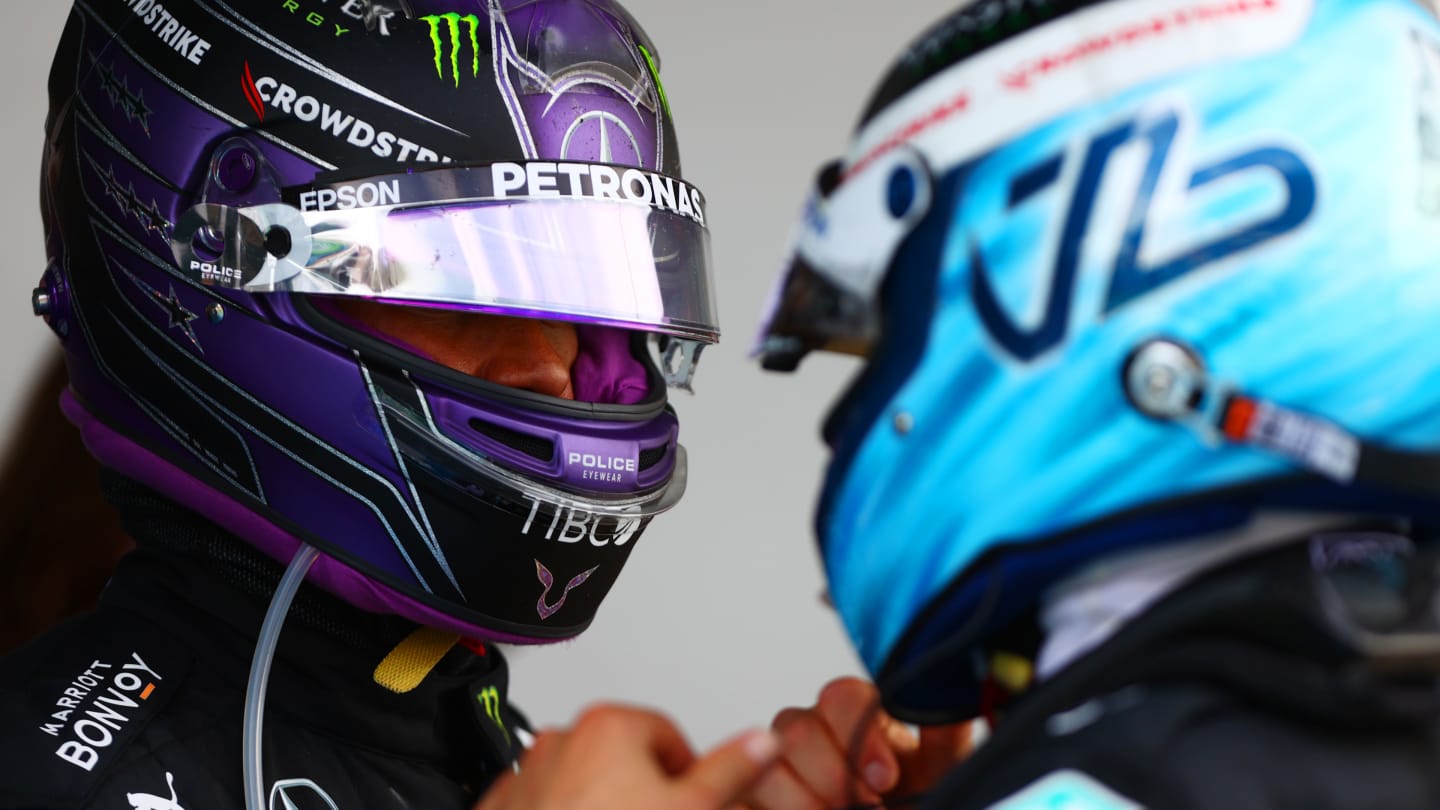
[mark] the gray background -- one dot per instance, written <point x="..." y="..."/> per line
<point x="717" y="618"/>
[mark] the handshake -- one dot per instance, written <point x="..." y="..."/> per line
<point x="843" y="752"/>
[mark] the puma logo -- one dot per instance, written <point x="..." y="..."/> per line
<point x="145" y="801"/>
<point x="548" y="580"/>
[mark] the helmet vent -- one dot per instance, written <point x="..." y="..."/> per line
<point x="649" y="458"/>
<point x="532" y="446"/>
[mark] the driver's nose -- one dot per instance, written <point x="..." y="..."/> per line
<point x="524" y="353"/>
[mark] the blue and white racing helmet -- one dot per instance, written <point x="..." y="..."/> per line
<point x="1123" y="273"/>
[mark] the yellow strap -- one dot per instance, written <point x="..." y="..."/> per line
<point x="412" y="659"/>
<point x="1011" y="671"/>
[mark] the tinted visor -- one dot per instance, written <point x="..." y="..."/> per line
<point x="583" y="242"/>
<point x="827" y="298"/>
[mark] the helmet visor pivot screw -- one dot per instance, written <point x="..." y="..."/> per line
<point x="1164" y="379"/>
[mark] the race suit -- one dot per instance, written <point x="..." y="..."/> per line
<point x="139" y="704"/>
<point x="1300" y="680"/>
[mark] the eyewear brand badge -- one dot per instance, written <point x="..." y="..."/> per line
<point x="147" y="801"/>
<point x="448" y="28"/>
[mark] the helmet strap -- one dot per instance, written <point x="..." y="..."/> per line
<point x="413" y="659"/>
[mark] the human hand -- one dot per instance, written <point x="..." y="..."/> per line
<point x="623" y="758"/>
<point x="845" y="751"/>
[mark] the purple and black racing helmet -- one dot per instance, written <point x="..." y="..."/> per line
<point x="219" y="174"/>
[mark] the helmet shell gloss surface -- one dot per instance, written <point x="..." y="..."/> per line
<point x="1256" y="182"/>
<point x="458" y="503"/>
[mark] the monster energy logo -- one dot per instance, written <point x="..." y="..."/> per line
<point x="655" y="74"/>
<point x="489" y="697"/>
<point x="451" y="23"/>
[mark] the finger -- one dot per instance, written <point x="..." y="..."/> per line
<point x="939" y="749"/>
<point x="952" y="741"/>
<point x="547" y="742"/>
<point x="722" y="776"/>
<point x="781" y="789"/>
<point x="536" y="768"/>
<point x="851" y="709"/>
<point x="902" y="739"/>
<point x="625" y="727"/>
<point x="818" y="759"/>
<point x="668" y="744"/>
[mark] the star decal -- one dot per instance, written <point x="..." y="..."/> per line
<point x="148" y="215"/>
<point x="180" y="317"/>
<point x="130" y="102"/>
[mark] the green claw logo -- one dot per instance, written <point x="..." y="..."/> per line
<point x="489" y="697"/>
<point x="655" y="74"/>
<point x="451" y="23"/>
